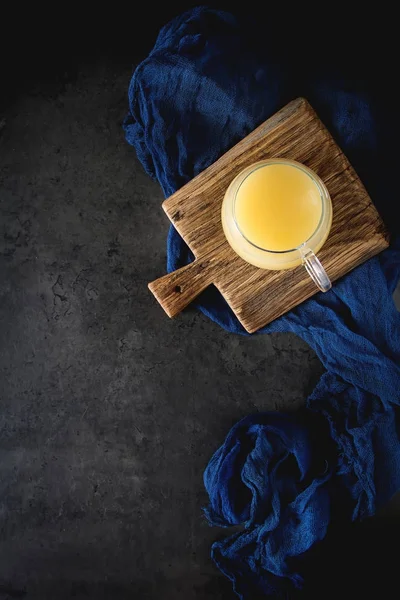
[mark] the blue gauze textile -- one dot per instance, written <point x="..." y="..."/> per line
<point x="284" y="477"/>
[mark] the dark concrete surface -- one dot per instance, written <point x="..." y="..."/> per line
<point x="109" y="410"/>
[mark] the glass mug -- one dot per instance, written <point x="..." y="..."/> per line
<point x="277" y="214"/>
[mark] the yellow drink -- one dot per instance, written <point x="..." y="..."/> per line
<point x="274" y="211"/>
<point x="278" y="207"/>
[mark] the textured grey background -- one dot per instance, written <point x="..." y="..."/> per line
<point x="109" y="410"/>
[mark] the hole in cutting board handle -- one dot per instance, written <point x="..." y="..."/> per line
<point x="177" y="289"/>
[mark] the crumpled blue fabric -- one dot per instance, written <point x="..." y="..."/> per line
<point x="283" y="478"/>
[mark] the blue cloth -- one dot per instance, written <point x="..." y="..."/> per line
<point x="206" y="84"/>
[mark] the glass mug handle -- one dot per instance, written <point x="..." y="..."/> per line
<point x="315" y="269"/>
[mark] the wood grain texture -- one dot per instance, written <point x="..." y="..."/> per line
<point x="258" y="296"/>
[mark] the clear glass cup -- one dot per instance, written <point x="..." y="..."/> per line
<point x="304" y="254"/>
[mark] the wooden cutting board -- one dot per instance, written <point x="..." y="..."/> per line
<point x="258" y="296"/>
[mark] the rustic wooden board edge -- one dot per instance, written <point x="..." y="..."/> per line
<point x="225" y="159"/>
<point x="259" y="132"/>
<point x="254" y="326"/>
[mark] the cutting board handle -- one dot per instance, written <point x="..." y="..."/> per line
<point x="177" y="289"/>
